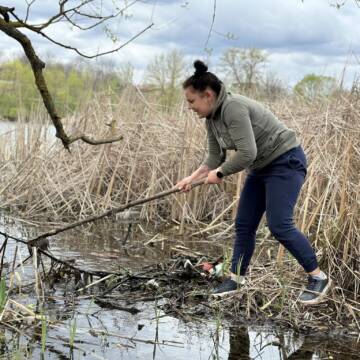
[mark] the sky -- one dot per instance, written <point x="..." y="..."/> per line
<point x="300" y="37"/>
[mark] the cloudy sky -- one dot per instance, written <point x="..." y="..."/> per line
<point x="300" y="37"/>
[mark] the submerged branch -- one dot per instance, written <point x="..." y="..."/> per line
<point x="55" y="259"/>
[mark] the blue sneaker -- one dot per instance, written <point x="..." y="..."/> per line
<point x="315" y="291"/>
<point x="227" y="287"/>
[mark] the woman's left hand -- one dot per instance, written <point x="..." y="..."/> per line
<point x="212" y="178"/>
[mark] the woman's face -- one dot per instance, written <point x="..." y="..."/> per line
<point x="200" y="102"/>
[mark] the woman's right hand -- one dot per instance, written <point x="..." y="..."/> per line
<point x="185" y="184"/>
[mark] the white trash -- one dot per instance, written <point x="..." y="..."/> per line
<point x="152" y="284"/>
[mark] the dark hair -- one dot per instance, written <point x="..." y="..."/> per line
<point x="202" y="79"/>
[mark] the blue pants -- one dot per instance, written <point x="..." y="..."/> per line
<point x="274" y="189"/>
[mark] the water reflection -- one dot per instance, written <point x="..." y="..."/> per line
<point x="239" y="342"/>
<point x="169" y="339"/>
<point x="99" y="246"/>
<point x="9" y="127"/>
<point x="266" y="343"/>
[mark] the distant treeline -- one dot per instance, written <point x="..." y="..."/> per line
<point x="70" y="85"/>
<point x="242" y="70"/>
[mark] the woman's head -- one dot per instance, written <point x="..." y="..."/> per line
<point x="202" y="89"/>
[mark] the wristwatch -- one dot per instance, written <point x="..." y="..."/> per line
<point x="219" y="174"/>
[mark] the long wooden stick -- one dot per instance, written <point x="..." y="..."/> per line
<point x="113" y="211"/>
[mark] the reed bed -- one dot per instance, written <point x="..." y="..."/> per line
<point x="42" y="181"/>
<point x="158" y="149"/>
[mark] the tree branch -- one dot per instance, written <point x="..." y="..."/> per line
<point x="11" y="28"/>
<point x="91" y="141"/>
<point x="64" y="13"/>
<point x="211" y="27"/>
<point x="68" y="47"/>
<point x="28" y="9"/>
<point x="68" y="13"/>
<point x="55" y="18"/>
<point x="4" y="12"/>
<point x="37" y="66"/>
<point x="100" y="18"/>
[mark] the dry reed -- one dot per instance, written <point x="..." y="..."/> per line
<point x="39" y="179"/>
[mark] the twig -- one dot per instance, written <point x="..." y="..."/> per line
<point x="96" y="282"/>
<point x="2" y="249"/>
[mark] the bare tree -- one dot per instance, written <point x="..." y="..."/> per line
<point x="232" y="65"/>
<point x="83" y="15"/>
<point x="165" y="73"/>
<point x="243" y="65"/>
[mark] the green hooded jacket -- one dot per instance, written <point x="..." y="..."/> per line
<point x="242" y="124"/>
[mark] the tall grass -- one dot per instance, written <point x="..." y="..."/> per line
<point x="39" y="178"/>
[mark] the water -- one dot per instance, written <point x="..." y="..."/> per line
<point x="8" y="130"/>
<point x="7" y="127"/>
<point x="107" y="334"/>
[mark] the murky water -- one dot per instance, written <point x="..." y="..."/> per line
<point x="150" y="334"/>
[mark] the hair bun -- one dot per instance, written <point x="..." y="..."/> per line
<point x="200" y="68"/>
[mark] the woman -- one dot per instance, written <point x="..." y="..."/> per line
<point x="276" y="167"/>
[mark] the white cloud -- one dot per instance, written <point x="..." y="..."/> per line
<point x="301" y="37"/>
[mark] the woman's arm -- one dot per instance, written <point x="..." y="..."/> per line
<point x="238" y="121"/>
<point x="200" y="173"/>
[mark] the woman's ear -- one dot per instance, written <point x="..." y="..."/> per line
<point x="209" y="94"/>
